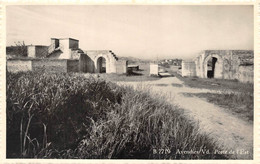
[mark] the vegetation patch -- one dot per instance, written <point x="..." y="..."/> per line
<point x="161" y="85"/>
<point x="216" y="84"/>
<point x="177" y="85"/>
<point x="127" y="78"/>
<point x="234" y="96"/>
<point x="59" y="115"/>
<point x="240" y="103"/>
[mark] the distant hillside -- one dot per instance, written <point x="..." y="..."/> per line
<point x="168" y="62"/>
<point x="133" y="60"/>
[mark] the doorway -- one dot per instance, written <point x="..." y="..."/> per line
<point x="211" y="64"/>
<point x="101" y="65"/>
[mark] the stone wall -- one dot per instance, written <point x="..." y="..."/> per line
<point x="18" y="65"/>
<point x="86" y="64"/>
<point x="188" y="68"/>
<point x="121" y="66"/>
<point x="72" y="65"/>
<point x="246" y="74"/>
<point x="227" y="65"/>
<point x="49" y="65"/>
<point x="109" y="57"/>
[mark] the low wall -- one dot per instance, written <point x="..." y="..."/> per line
<point x="50" y="65"/>
<point x="246" y="74"/>
<point x="72" y="65"/>
<point x="18" y="65"/>
<point x="188" y="68"/>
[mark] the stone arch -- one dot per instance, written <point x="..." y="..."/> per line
<point x="110" y="63"/>
<point x="100" y="61"/>
<point x="217" y="66"/>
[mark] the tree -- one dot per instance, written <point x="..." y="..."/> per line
<point x="20" y="49"/>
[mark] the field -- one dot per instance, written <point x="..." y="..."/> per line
<point x="58" y="115"/>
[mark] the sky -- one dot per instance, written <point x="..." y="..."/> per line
<point x="142" y="31"/>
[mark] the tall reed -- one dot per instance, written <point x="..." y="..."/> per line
<point x="59" y="115"/>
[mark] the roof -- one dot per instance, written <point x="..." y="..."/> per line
<point x="65" y="39"/>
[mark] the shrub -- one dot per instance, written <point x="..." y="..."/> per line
<point x="60" y="102"/>
<point x="19" y="50"/>
<point x="59" y="115"/>
<point x="141" y="124"/>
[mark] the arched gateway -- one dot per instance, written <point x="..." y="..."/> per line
<point x="213" y="66"/>
<point x="101" y="65"/>
<point x="221" y="64"/>
<point x="105" y="63"/>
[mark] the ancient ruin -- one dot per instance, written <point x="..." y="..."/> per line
<point x="64" y="55"/>
<point x="222" y="64"/>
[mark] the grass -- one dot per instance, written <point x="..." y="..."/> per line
<point x="240" y="104"/>
<point x="216" y="84"/>
<point x="177" y="85"/>
<point x="234" y="96"/>
<point x="58" y="115"/>
<point x="132" y="77"/>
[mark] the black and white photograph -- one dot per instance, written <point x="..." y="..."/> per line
<point x="142" y="82"/>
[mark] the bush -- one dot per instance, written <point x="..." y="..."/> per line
<point x="62" y="115"/>
<point x="60" y="102"/>
<point x="141" y="124"/>
<point x="19" y="50"/>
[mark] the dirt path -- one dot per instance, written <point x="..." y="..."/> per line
<point x="230" y="132"/>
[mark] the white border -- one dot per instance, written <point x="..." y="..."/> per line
<point x="3" y="5"/>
